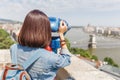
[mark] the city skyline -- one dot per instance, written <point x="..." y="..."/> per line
<point x="77" y="12"/>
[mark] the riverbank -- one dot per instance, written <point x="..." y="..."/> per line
<point x="114" y="53"/>
<point x="106" y="46"/>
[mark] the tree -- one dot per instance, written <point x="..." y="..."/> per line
<point x="94" y="57"/>
<point x="5" y="40"/>
<point x="110" y="61"/>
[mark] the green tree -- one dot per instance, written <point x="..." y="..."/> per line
<point x="94" y="57"/>
<point x="3" y="35"/>
<point x="5" y="40"/>
<point x="110" y="61"/>
<point x="82" y="52"/>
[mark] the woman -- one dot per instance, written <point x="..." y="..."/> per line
<point x="35" y="34"/>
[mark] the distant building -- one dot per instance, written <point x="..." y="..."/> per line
<point x="89" y="28"/>
<point x="99" y="30"/>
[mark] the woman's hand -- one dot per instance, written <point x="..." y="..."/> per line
<point x="62" y="29"/>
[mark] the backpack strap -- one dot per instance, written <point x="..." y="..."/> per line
<point x="13" y="54"/>
<point x="30" y="60"/>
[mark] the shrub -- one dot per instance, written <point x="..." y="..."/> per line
<point x="94" y="57"/>
<point x="110" y="61"/>
<point x="5" y="40"/>
<point x="82" y="52"/>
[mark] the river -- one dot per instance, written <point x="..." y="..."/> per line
<point x="106" y="46"/>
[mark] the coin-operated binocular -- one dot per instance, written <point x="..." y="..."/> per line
<point x="55" y="24"/>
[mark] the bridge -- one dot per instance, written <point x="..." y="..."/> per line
<point x="77" y="70"/>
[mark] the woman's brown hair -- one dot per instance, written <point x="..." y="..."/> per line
<point x="36" y="31"/>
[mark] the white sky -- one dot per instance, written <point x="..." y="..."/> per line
<point x="75" y="12"/>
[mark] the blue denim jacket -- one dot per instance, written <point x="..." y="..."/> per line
<point x="46" y="67"/>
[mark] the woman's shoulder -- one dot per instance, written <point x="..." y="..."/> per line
<point x="48" y="54"/>
<point x="13" y="46"/>
<point x="44" y="51"/>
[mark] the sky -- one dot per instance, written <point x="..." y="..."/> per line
<point x="75" y="12"/>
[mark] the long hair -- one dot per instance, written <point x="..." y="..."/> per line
<point x="36" y="31"/>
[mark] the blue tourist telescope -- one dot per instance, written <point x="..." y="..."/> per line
<point x="55" y="24"/>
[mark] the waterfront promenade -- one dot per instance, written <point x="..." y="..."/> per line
<point x="78" y="70"/>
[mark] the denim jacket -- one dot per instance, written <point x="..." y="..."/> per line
<point x="46" y="67"/>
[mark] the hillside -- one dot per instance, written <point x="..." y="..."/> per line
<point x="2" y="21"/>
